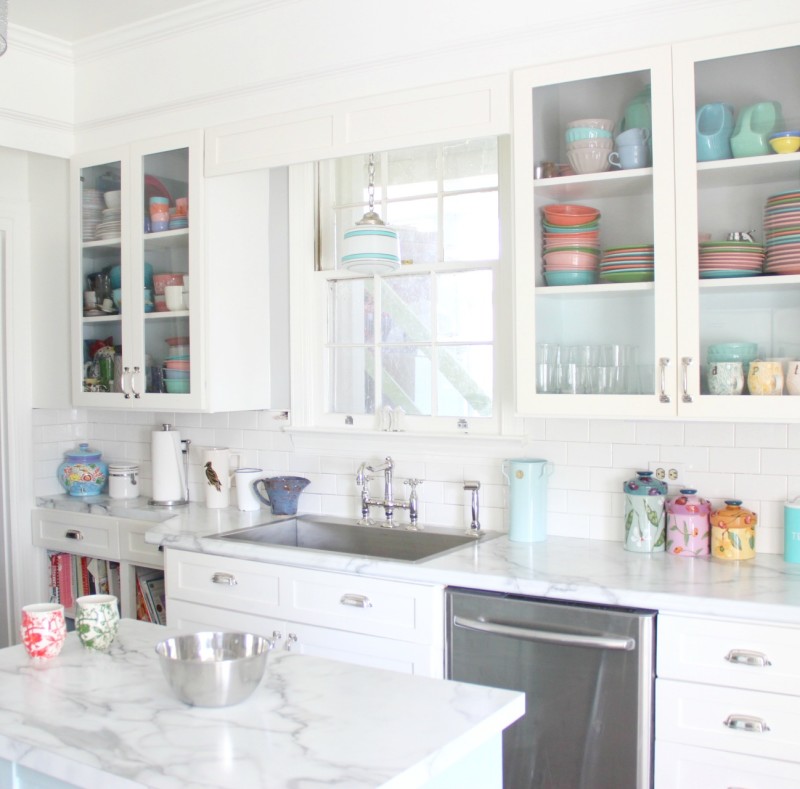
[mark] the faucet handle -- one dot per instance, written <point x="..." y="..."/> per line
<point x="413" y="482"/>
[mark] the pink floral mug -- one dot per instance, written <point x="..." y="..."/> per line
<point x="43" y="630"/>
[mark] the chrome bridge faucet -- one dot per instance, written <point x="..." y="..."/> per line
<point x="388" y="501"/>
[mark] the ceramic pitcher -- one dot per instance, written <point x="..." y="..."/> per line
<point x="281" y="493"/>
<point x="218" y="467"/>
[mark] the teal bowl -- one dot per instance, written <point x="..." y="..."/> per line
<point x="177" y="386"/>
<point x="570" y="277"/>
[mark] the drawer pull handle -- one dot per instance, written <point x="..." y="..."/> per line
<point x="224" y="578"/>
<point x="747" y="657"/>
<point x="746" y="723"/>
<point x="356" y="600"/>
<point x="73" y="534"/>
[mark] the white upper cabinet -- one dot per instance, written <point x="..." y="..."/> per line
<point x="720" y="299"/>
<point x="181" y="319"/>
<point x="606" y="347"/>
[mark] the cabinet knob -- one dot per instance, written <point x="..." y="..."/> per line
<point x="747" y="657"/>
<point x="356" y="600"/>
<point x="227" y="579"/>
<point x="73" y="534"/>
<point x="746" y="723"/>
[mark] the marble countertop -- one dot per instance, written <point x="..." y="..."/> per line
<point x="594" y="571"/>
<point x="110" y="719"/>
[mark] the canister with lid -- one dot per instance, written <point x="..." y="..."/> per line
<point x="733" y="532"/>
<point x="83" y="472"/>
<point x="644" y="513"/>
<point x="688" y="526"/>
<point x="123" y="480"/>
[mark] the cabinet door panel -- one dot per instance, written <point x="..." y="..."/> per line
<point x="197" y="618"/>
<point x="133" y="547"/>
<point x="87" y="535"/>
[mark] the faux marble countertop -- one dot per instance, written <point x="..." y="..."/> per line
<point x="594" y="571"/>
<point x="109" y="719"/>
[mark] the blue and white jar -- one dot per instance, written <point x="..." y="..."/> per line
<point x="83" y="472"/>
<point x="645" y="520"/>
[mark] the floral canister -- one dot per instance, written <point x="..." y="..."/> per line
<point x="83" y="472"/>
<point x="644" y="513"/>
<point x="733" y="532"/>
<point x="688" y="526"/>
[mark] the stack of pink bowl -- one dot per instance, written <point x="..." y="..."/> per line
<point x="589" y="143"/>
<point x="570" y="244"/>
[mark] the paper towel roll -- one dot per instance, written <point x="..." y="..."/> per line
<point x="169" y="477"/>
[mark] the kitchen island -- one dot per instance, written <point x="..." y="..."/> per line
<point x="91" y="719"/>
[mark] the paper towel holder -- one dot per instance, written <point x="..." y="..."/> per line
<point x="185" y="442"/>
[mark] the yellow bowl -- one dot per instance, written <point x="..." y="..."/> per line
<point x="786" y="144"/>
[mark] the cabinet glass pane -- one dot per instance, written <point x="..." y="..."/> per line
<point x="164" y="291"/>
<point x="594" y="279"/>
<point x="101" y="277"/>
<point x="749" y="300"/>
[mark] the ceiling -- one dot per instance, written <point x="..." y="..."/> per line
<point x="73" y="20"/>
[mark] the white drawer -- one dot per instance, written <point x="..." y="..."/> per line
<point x="393" y="609"/>
<point x="687" y="767"/>
<point x="696" y="714"/>
<point x="730" y="653"/>
<point x="133" y="548"/>
<point x="74" y="532"/>
<point x="235" y="584"/>
<point x="195" y="618"/>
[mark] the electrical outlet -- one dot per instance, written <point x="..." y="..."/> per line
<point x="671" y="473"/>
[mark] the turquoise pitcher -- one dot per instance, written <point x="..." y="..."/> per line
<point x="753" y="128"/>
<point x="527" y="498"/>
<point x="714" y="129"/>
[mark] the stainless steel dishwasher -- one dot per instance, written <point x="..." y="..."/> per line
<point x="588" y="675"/>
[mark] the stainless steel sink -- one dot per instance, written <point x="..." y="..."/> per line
<point x="340" y="535"/>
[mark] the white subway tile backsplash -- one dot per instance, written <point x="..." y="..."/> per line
<point x="668" y="432"/>
<point x="740" y="461"/>
<point x="567" y="430"/>
<point x="589" y="454"/>
<point x="633" y="457"/>
<point x="780" y="461"/>
<point x="570" y="477"/>
<point x="760" y="486"/>
<point x="709" y="434"/>
<point x="750" y="434"/>
<point x="612" y="430"/>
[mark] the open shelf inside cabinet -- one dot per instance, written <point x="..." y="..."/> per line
<point x="613" y="183"/>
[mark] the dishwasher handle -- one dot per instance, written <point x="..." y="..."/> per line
<point x="545" y="636"/>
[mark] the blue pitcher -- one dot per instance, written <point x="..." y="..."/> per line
<point x="281" y="493"/>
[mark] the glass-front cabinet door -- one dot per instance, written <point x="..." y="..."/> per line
<point x="594" y="225"/>
<point x="135" y="254"/>
<point x="738" y="223"/>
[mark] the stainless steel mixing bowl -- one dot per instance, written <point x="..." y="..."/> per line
<point x="214" y="669"/>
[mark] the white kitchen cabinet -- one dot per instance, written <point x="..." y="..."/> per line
<point x="727" y="694"/>
<point x="718" y="197"/>
<point x="100" y="537"/>
<point x="636" y="208"/>
<point x="222" y="327"/>
<point x="369" y="621"/>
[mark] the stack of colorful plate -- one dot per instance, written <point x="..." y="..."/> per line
<point x="627" y="264"/>
<point x="782" y="233"/>
<point x="721" y="259"/>
<point x="570" y="244"/>
<point x="177" y="365"/>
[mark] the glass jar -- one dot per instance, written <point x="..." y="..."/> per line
<point x="83" y="472"/>
<point x="733" y="532"/>
<point x="123" y="480"/>
<point x="644" y="513"/>
<point x="688" y="527"/>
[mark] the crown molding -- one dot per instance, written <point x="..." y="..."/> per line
<point x="40" y="45"/>
<point x="39" y="121"/>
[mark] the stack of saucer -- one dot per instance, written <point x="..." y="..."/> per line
<point x="177" y="222"/>
<point x="782" y="233"/>
<point x="628" y="264"/>
<point x="722" y="259"/>
<point x="110" y="226"/>
<point x="91" y="212"/>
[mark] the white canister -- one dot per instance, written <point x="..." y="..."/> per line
<point x="246" y="498"/>
<point x="123" y="480"/>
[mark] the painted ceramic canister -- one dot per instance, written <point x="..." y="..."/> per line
<point x="688" y="525"/>
<point x="644" y="513"/>
<point x="83" y="472"/>
<point x="733" y="532"/>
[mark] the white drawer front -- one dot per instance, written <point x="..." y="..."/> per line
<point x="696" y="714"/>
<point x="133" y="548"/>
<point x="85" y="535"/>
<point x="194" y="618"/>
<point x="686" y="767"/>
<point x="223" y="582"/>
<point x="407" y="612"/>
<point x="729" y="653"/>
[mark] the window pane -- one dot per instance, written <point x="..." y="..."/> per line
<point x="464" y="310"/>
<point x="412" y="172"/>
<point x="406" y="309"/>
<point x="352" y="311"/>
<point x="471" y="164"/>
<point x="471" y="227"/>
<point x="416" y="222"/>
<point x="464" y="381"/>
<point x="352" y="380"/>
<point x="407" y="379"/>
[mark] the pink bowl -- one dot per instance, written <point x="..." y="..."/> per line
<point x="570" y="260"/>
<point x="177" y="365"/>
<point x="160" y="281"/>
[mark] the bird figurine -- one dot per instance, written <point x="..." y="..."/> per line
<point x="212" y="477"/>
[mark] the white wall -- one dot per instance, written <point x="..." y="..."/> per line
<point x="758" y="463"/>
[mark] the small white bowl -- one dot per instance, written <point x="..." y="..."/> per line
<point x="113" y="199"/>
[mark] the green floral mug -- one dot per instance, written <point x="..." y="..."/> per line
<point x="97" y="620"/>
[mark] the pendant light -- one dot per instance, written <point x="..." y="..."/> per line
<point x="371" y="247"/>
